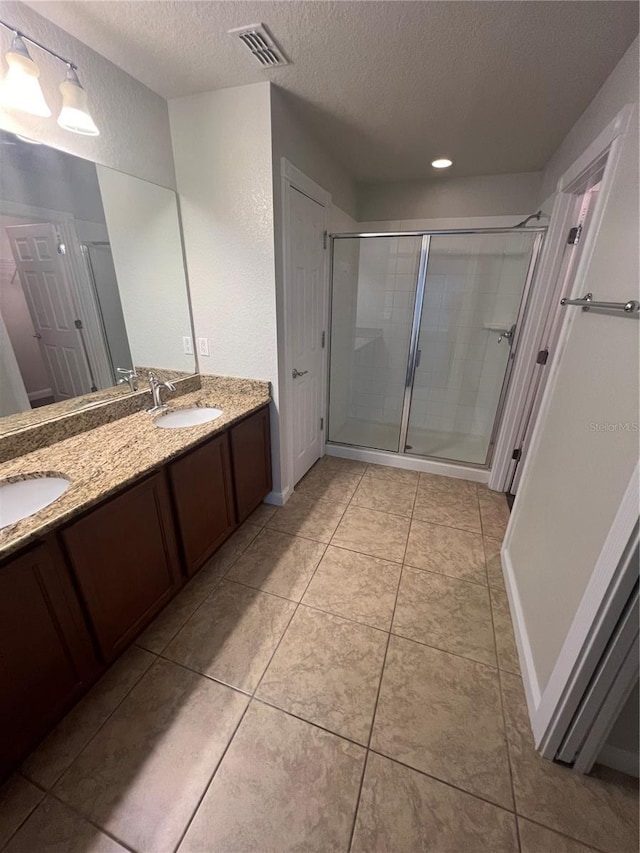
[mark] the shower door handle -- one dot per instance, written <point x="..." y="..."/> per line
<point x="296" y="373"/>
<point x="507" y="334"/>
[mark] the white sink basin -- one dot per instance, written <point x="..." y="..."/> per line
<point x="187" y="417"/>
<point x="24" y="497"/>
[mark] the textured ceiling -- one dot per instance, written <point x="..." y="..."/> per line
<point x="387" y="86"/>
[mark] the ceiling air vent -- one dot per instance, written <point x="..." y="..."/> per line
<point x="264" y="48"/>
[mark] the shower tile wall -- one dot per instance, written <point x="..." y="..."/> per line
<point x="385" y="299"/>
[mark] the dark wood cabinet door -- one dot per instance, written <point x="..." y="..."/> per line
<point x="125" y="559"/>
<point x="47" y="657"/>
<point x="251" y="460"/>
<point x="203" y="498"/>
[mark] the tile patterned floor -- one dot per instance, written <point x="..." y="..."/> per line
<point x="341" y="676"/>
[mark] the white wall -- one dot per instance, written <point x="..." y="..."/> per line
<point x="222" y="147"/>
<point x="444" y="197"/>
<point x="620" y="88"/>
<point x="133" y="120"/>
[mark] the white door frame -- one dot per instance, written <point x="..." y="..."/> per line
<point x="544" y="290"/>
<point x="551" y="710"/>
<point x="82" y="293"/>
<point x="292" y="177"/>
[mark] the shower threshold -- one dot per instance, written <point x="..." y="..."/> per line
<point x="436" y="451"/>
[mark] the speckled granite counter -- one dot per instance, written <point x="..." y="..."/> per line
<point x="103" y="460"/>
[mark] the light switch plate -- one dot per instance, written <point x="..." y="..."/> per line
<point x="203" y="346"/>
<point x="187" y="345"/>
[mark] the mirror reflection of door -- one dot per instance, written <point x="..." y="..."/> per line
<point x="45" y="282"/>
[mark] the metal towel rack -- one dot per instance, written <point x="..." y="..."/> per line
<point x="587" y="302"/>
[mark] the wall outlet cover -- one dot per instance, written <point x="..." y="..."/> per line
<point x="203" y="346"/>
<point x="187" y="345"/>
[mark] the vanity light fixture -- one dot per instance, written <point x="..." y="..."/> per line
<point x="442" y="163"/>
<point x="74" y="115"/>
<point x="20" y="89"/>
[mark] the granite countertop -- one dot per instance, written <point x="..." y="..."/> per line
<point x="103" y="460"/>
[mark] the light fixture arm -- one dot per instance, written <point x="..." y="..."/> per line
<point x="37" y="44"/>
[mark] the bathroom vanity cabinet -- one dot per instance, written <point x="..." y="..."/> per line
<point x="251" y="455"/>
<point x="202" y="487"/>
<point x="47" y="659"/>
<point x="125" y="560"/>
<point x="71" y="603"/>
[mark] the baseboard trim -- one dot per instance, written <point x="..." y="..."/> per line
<point x="523" y="644"/>
<point x="619" y="759"/>
<point x="278" y="498"/>
<point x="41" y="394"/>
<point x="411" y="463"/>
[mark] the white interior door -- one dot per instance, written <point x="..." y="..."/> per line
<point x="577" y="502"/>
<point x="45" y="281"/>
<point x="307" y="302"/>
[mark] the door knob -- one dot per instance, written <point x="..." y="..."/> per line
<point x="37" y="335"/>
<point x="296" y="373"/>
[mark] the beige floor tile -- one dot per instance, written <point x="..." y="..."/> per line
<point x="601" y="811"/>
<point x="341" y="466"/>
<point x="445" y="613"/>
<point x="503" y="627"/>
<point x="402" y="811"/>
<point x="52" y="757"/>
<point x="538" y="839"/>
<point x="167" y="624"/>
<point x="327" y="671"/>
<point x="446" y="550"/>
<point x="355" y="586"/>
<point x="396" y="475"/>
<point x="494" y="512"/>
<point x="370" y="532"/>
<point x="54" y="828"/>
<point x="444" y="500"/>
<point x="442" y="714"/>
<point x="143" y="774"/>
<point x="232" y="636"/>
<point x="312" y="518"/>
<point x="283" y="785"/>
<point x="385" y="495"/>
<point x="18" y="798"/>
<point x="262" y="515"/>
<point x="278" y="563"/>
<point x="223" y="559"/>
<point x="494" y="563"/>
<point x="329" y="485"/>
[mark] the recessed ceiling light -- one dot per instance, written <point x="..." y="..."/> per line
<point x="442" y="163"/>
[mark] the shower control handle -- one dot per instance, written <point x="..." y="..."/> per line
<point x="296" y="373"/>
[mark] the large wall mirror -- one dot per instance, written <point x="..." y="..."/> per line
<point x="92" y="280"/>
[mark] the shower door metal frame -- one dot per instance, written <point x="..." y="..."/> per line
<point x="425" y="247"/>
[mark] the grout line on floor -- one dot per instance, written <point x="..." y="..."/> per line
<point x="445" y="575"/>
<point x="92" y="823"/>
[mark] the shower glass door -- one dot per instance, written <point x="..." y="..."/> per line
<point x="473" y="293"/>
<point x="372" y="311"/>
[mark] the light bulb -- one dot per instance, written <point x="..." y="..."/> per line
<point x="442" y="163"/>
<point x="74" y="115"/>
<point x="20" y="88"/>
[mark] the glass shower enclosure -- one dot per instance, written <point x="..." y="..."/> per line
<point x="423" y="328"/>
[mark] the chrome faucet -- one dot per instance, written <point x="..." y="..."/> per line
<point x="129" y="376"/>
<point x="155" y="385"/>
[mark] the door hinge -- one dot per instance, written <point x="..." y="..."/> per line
<point x="516" y="454"/>
<point x="543" y="355"/>
<point x="78" y="324"/>
<point x="574" y="235"/>
<point x="321" y="424"/>
<point x="323" y="339"/>
<point x="325" y="239"/>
